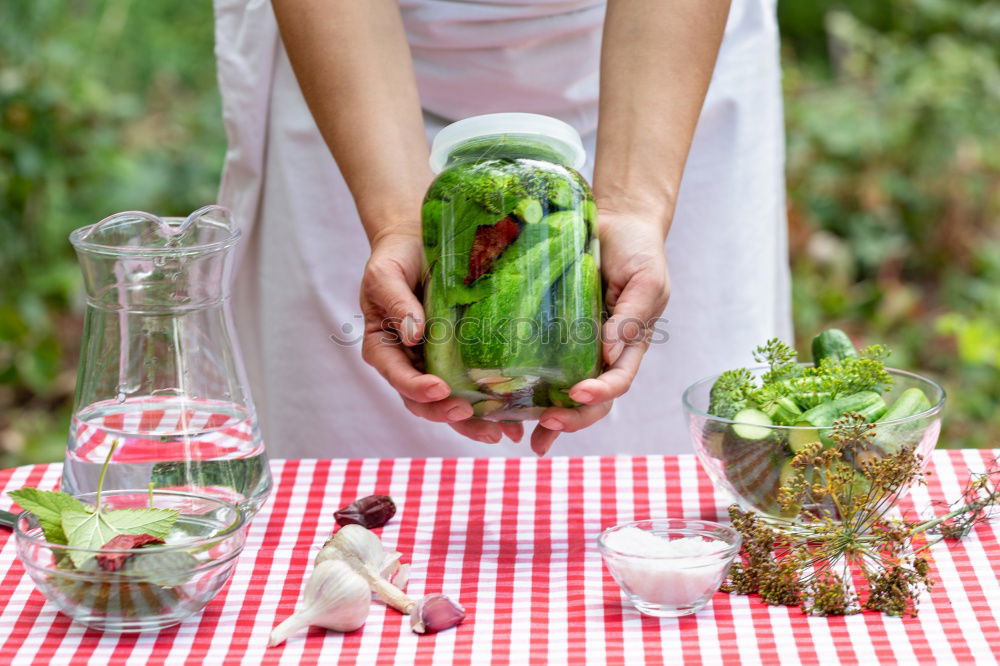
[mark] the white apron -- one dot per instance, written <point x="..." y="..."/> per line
<point x="296" y="290"/>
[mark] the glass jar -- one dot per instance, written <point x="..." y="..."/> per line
<point x="512" y="283"/>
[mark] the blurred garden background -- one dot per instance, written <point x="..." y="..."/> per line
<point x="893" y="125"/>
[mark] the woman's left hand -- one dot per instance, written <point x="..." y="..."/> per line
<point x="634" y="265"/>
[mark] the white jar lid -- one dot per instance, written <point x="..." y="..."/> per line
<point x="561" y="137"/>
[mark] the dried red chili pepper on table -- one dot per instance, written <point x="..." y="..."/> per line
<point x="369" y="512"/>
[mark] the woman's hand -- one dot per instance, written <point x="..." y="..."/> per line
<point x="394" y="323"/>
<point x="634" y="264"/>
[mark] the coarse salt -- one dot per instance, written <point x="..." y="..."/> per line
<point x="687" y="572"/>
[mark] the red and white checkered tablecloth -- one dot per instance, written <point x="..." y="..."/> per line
<point x="513" y="540"/>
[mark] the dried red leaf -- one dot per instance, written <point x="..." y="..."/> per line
<point x="490" y="242"/>
<point x="124" y="543"/>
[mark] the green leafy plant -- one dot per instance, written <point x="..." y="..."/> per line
<point x="104" y="106"/>
<point x="893" y="180"/>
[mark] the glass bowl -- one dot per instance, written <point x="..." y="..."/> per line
<point x="753" y="471"/>
<point x="158" y="586"/>
<point x="666" y="580"/>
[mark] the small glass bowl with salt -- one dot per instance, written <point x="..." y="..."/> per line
<point x="669" y="567"/>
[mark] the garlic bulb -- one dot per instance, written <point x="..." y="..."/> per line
<point x="335" y="597"/>
<point x="363" y="551"/>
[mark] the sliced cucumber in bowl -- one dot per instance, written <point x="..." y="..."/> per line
<point x="752" y="454"/>
<point x="751" y="425"/>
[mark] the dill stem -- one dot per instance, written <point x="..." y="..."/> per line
<point x="934" y="522"/>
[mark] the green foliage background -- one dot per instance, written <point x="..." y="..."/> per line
<point x="893" y="122"/>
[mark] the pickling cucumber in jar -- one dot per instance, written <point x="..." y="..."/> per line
<point x="512" y="286"/>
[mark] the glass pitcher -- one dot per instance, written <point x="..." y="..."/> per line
<point x="161" y="382"/>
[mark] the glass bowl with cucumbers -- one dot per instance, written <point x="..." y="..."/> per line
<point x="751" y="426"/>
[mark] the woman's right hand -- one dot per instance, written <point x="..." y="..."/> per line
<point x="394" y="323"/>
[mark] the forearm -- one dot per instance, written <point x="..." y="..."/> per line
<point x="656" y="64"/>
<point x="353" y="64"/>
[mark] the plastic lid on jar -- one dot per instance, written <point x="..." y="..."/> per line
<point x="561" y="137"/>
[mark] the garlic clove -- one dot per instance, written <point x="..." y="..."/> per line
<point x="398" y="576"/>
<point x="402" y="576"/>
<point x="335" y="597"/>
<point x="435" y="612"/>
<point x="390" y="563"/>
<point x="394" y="572"/>
<point x="492" y="379"/>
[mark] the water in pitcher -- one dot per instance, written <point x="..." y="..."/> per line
<point x="201" y="446"/>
